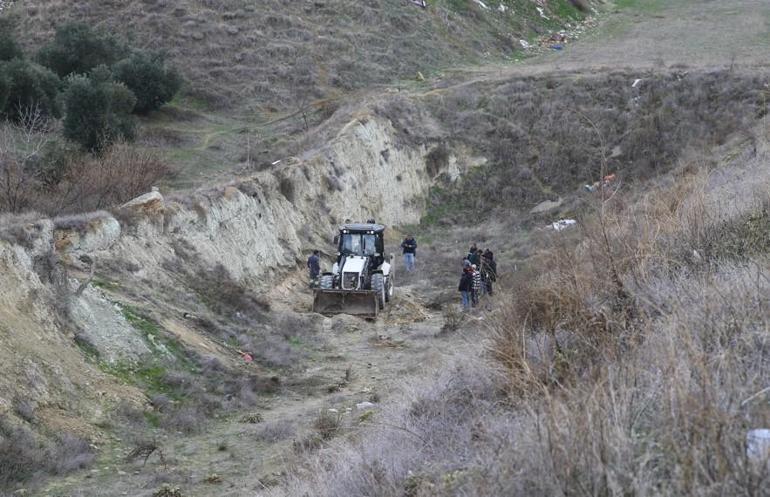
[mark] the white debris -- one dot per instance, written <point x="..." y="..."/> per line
<point x="541" y="12"/>
<point x="483" y="5"/>
<point x="525" y="44"/>
<point x="502" y="8"/>
<point x="636" y="83"/>
<point x="333" y="411"/>
<point x="275" y="163"/>
<point x="362" y="406"/>
<point x="758" y="446"/>
<point x="562" y="224"/>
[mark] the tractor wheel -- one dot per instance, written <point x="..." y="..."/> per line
<point x="389" y="290"/>
<point x="327" y="281"/>
<point x="378" y="285"/>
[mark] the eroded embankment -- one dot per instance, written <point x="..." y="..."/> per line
<point x="98" y="310"/>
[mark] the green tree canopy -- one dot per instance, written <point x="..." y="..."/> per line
<point x="30" y="85"/>
<point x="98" y="110"/>
<point x="147" y="75"/>
<point x="5" y="89"/>
<point x="77" y="49"/>
<point x="9" y="49"/>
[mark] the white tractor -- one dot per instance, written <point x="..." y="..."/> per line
<point x="361" y="280"/>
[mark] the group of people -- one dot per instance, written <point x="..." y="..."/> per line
<point x="479" y="274"/>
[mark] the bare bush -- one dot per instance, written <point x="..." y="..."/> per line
<point x="36" y="175"/>
<point x="23" y="456"/>
<point x="120" y="174"/>
<point x="276" y="431"/>
<point x="327" y="424"/>
<point x="20" y="146"/>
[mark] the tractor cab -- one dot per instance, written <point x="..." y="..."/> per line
<point x="362" y="240"/>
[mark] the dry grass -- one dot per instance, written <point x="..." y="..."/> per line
<point x="546" y="137"/>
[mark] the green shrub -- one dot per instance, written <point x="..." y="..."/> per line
<point x="31" y="85"/>
<point x="153" y="82"/>
<point x="5" y="90"/>
<point x="9" y="49"/>
<point x="76" y="48"/>
<point x="98" y="110"/>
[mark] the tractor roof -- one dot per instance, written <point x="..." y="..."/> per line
<point x="362" y="227"/>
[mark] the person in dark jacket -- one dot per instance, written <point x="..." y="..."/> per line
<point x="471" y="251"/>
<point x="314" y="268"/>
<point x="475" y="257"/>
<point x="466" y="287"/>
<point x="409" y="247"/>
<point x="488" y="270"/>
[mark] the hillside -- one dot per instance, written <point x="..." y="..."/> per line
<point x="260" y="75"/>
<point x="272" y="55"/>
<point x="166" y="347"/>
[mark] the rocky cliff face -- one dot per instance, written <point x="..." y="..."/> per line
<point x="257" y="229"/>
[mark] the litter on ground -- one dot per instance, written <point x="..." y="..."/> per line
<point x="561" y="224"/>
<point x="758" y="446"/>
<point x="606" y="182"/>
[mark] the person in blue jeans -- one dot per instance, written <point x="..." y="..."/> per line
<point x="466" y="287"/>
<point x="409" y="247"/>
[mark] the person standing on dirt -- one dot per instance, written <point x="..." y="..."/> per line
<point x="475" y="257"/>
<point x="314" y="268"/>
<point x="466" y="287"/>
<point x="488" y="270"/>
<point x="476" y="289"/>
<point x="471" y="251"/>
<point x="409" y="247"/>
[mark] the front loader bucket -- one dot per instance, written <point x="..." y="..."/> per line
<point x="355" y="302"/>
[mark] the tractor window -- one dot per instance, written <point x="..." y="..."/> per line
<point x="351" y="244"/>
<point x="358" y="244"/>
<point x="370" y="247"/>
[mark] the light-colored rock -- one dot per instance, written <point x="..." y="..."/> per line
<point x="150" y="200"/>
<point x="86" y="234"/>
<point x="104" y="326"/>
